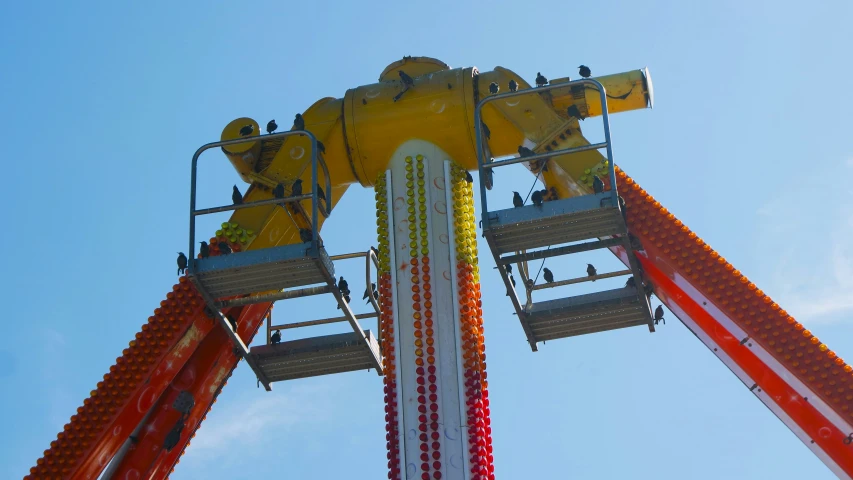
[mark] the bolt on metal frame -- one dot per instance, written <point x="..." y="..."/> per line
<point x="485" y="167"/>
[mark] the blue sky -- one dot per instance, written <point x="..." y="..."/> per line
<point x="749" y="144"/>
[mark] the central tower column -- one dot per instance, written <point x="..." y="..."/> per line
<point x="436" y="393"/>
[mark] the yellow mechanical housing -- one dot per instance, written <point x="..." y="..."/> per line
<point x="361" y="130"/>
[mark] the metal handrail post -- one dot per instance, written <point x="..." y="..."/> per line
<point x="314" y="210"/>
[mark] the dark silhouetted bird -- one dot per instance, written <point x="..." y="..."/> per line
<point x="517" y="202"/>
<point x="494" y="88"/>
<point x="247" y="130"/>
<point x="272" y="126"/>
<point x="507" y="267"/>
<point x="320" y="193"/>
<point x="547" y="275"/>
<point x="275" y="339"/>
<point x="546" y="196"/>
<point x="232" y="322"/>
<point x="486" y="131"/>
<point x="648" y="289"/>
<point x="298" y="123"/>
<point x="541" y="81"/>
<point x="552" y="194"/>
<point x="537" y="198"/>
<point x="468" y="177"/>
<point x="574" y="112"/>
<point x="597" y="184"/>
<point x="368" y="290"/>
<point x="343" y="286"/>
<point x="224" y="248"/>
<point x="635" y="242"/>
<point x="512" y="281"/>
<point x="590" y="270"/>
<point x="296" y="188"/>
<point x="236" y="196"/>
<point x="320" y="147"/>
<point x="278" y="191"/>
<point x="513" y="87"/>
<point x="182" y="263"/>
<point x="204" y="250"/>
<point x="408" y="82"/>
<point x="659" y="315"/>
<point x="346" y="299"/>
<point x="305" y="235"/>
<point x="631" y="283"/>
<point x="525" y="152"/>
<point x="584" y="71"/>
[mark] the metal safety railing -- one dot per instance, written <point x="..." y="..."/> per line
<point x="485" y="166"/>
<point x="370" y="259"/>
<point x="313" y="195"/>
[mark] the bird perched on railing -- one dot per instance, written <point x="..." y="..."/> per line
<point x="541" y="81"/>
<point x="597" y="184"/>
<point x="182" y="263"/>
<point x="659" y="315"/>
<point x="537" y="198"/>
<point x="584" y="71"/>
<point x="236" y="196"/>
<point x="298" y="123"/>
<point x="296" y="188"/>
<point x="590" y="270"/>
<point x="271" y="126"/>
<point x="517" y="202"/>
<point x="513" y="87"/>
<point x="278" y="191"/>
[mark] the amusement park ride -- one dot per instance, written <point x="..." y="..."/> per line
<point x="413" y="137"/>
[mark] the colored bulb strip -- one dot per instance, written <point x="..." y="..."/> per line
<point x="471" y="324"/>
<point x="386" y="326"/>
<point x="417" y="316"/>
<point x="429" y="411"/>
<point x="790" y="343"/>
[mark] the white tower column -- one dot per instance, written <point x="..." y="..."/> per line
<point x="436" y="393"/>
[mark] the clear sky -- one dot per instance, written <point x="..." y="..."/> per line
<point x="749" y="144"/>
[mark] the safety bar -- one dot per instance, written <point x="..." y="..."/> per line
<point x="323" y="321"/>
<point x="315" y="159"/>
<point x="478" y="129"/>
<point x="573" y="281"/>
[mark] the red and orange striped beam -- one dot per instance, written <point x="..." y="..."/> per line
<point x="807" y="385"/>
